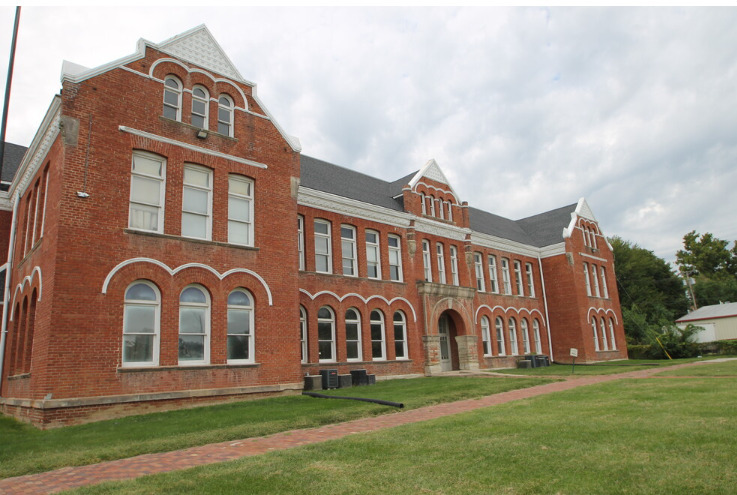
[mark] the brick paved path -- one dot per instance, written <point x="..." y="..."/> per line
<point x="133" y="467"/>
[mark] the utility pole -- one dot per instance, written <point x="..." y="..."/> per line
<point x="4" y="124"/>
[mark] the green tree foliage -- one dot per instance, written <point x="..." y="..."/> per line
<point x="652" y="295"/>
<point x="712" y="265"/>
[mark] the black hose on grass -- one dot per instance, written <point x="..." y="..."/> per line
<point x="375" y="401"/>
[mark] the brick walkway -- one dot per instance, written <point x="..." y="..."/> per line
<point x="72" y="477"/>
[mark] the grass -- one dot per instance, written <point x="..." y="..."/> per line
<point x="721" y="369"/>
<point x="25" y="450"/>
<point x="606" y="368"/>
<point x="644" y="436"/>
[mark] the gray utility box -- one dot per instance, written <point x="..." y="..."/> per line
<point x="329" y="379"/>
<point x="313" y="382"/>
<point x="542" y="360"/>
<point x="345" y="381"/>
<point x="360" y="377"/>
<point x="524" y="363"/>
<point x="532" y="360"/>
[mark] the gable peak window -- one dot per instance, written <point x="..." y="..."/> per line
<point x="172" y="98"/>
<point x="200" y="107"/>
<point x="225" y="115"/>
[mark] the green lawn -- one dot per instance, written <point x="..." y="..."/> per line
<point x="724" y="369"/>
<point x="605" y="368"/>
<point x="643" y="436"/>
<point x="24" y="449"/>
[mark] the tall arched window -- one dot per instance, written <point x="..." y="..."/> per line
<point x="353" y="335"/>
<point x="596" y="333"/>
<point x="611" y="334"/>
<point x="525" y="329"/>
<point x="378" y="333"/>
<point x="536" y="331"/>
<point x="225" y="115"/>
<point x="485" y="337"/>
<point x="172" y="98"/>
<point x="513" y="337"/>
<point x="500" y="336"/>
<point x="241" y="328"/>
<point x="400" y="336"/>
<point x="194" y="325"/>
<point x="326" y="334"/>
<point x="604" y="340"/>
<point x="303" y="332"/>
<point x="200" y="107"/>
<point x="141" y="315"/>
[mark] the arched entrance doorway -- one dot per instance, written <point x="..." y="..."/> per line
<point x="448" y="347"/>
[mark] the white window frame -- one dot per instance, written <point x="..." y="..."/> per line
<point x="518" y="278"/>
<point x="426" y="260"/>
<point x="596" y="333"/>
<point x="424" y="204"/>
<point x="604" y="340"/>
<point x="237" y="221"/>
<point x="400" y="330"/>
<point x="378" y="324"/>
<point x="454" y="265"/>
<point x="357" y="322"/>
<point x="485" y="337"/>
<point x="441" y="262"/>
<point x="530" y="279"/>
<point x="36" y="211"/>
<point x="373" y="246"/>
<point x="611" y="334"/>
<point x="594" y="232"/>
<point x="326" y="321"/>
<point x="205" y="101"/>
<point x="506" y="277"/>
<point x="500" y="341"/>
<point x="205" y="308"/>
<point x="131" y="303"/>
<point x="303" y="334"/>
<point x="514" y="347"/>
<point x="588" y="280"/>
<point x="432" y="205"/>
<point x="207" y="215"/>
<point x="585" y="235"/>
<point x="595" y="276"/>
<point x="525" y="329"/>
<point x="148" y="202"/>
<point x="46" y="198"/>
<point x="177" y="92"/>
<point x="441" y="209"/>
<point x="225" y="108"/>
<point x="349" y="256"/>
<point x="478" y="265"/>
<point x="536" y="332"/>
<point x="493" y="277"/>
<point x="450" y="211"/>
<point x="395" y="258"/>
<point x="603" y="282"/>
<point x="251" y="335"/>
<point x="327" y="256"/>
<point x="301" y="241"/>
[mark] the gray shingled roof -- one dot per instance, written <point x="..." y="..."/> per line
<point x="11" y="161"/>
<point x="713" y="311"/>
<point x="538" y="230"/>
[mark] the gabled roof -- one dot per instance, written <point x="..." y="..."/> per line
<point x="12" y="160"/>
<point x="708" y="312"/>
<point x="540" y="230"/>
<point x="432" y="171"/>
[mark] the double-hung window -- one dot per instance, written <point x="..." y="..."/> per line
<point x="505" y="276"/>
<point x="348" y="249"/>
<point x="595" y="277"/>
<point x="493" y="280"/>
<point x="141" y="316"/>
<point x="400" y="335"/>
<point x="240" y="328"/>
<point x="536" y="331"/>
<point x="200" y="107"/>
<point x="395" y="258"/>
<point x="604" y="288"/>
<point x="172" y="98"/>
<point x="301" y="241"/>
<point x="441" y="263"/>
<point x="530" y="280"/>
<point x="353" y="335"/>
<point x="454" y="265"/>
<point x="378" y="341"/>
<point x="303" y="332"/>
<point x="499" y="325"/>
<point x="604" y="340"/>
<point x="596" y="333"/>
<point x="147" y="192"/>
<point x="197" y="202"/>
<point x="524" y="328"/>
<point x="479" y="270"/>
<point x="485" y="337"/>
<point x="194" y="326"/>
<point x="426" y="260"/>
<point x="373" y="256"/>
<point x="225" y="115"/>
<point x="513" y="337"/>
<point x="587" y="279"/>
<point x="518" y="278"/>
<point x="240" y="210"/>
<point x="611" y="334"/>
<point x="323" y="257"/>
<point x="326" y="334"/>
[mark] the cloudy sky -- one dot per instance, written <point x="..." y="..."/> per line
<point x="525" y="109"/>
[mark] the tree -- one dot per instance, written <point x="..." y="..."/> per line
<point x="712" y="265"/>
<point x="652" y="295"/>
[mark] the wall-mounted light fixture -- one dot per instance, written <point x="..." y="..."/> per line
<point x="202" y="133"/>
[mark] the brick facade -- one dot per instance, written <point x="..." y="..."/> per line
<point x="77" y="252"/>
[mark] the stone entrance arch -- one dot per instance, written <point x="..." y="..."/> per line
<point x="449" y="342"/>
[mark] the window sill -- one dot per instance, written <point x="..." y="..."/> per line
<point x="353" y="363"/>
<point x="190" y="367"/>
<point x="21" y="376"/>
<point x="350" y="277"/>
<point x="188" y="239"/>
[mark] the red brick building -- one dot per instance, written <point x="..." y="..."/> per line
<point x="167" y="244"/>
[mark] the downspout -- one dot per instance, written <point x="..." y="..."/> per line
<point x="6" y="297"/>
<point x="545" y="301"/>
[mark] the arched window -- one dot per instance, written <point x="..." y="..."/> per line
<point x="585" y="235"/>
<point x="604" y="288"/>
<point x="441" y="209"/>
<point x="485" y="337"/>
<point x="525" y="329"/>
<point x="594" y="231"/>
<point x="225" y="115"/>
<point x="194" y="325"/>
<point x="172" y="98"/>
<point x="596" y="333"/>
<point x="586" y="278"/>
<point x="424" y="203"/>
<point x="604" y="340"/>
<point x="241" y="328"/>
<point x="611" y="334"/>
<point x="141" y="315"/>
<point x="500" y="336"/>
<point x="353" y="335"/>
<point x="378" y="341"/>
<point x="326" y="334"/>
<point x="200" y="107"/>
<point x="536" y="331"/>
<point x="432" y="205"/>
<point x="450" y="211"/>
<point x="303" y="332"/>
<point x="513" y="337"/>
<point x="400" y="335"/>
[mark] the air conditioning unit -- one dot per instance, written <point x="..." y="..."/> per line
<point x="329" y="379"/>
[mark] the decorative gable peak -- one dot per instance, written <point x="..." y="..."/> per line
<point x="431" y="170"/>
<point x="199" y="47"/>
<point x="583" y="210"/>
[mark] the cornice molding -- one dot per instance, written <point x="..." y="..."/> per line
<point x="320" y="200"/>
